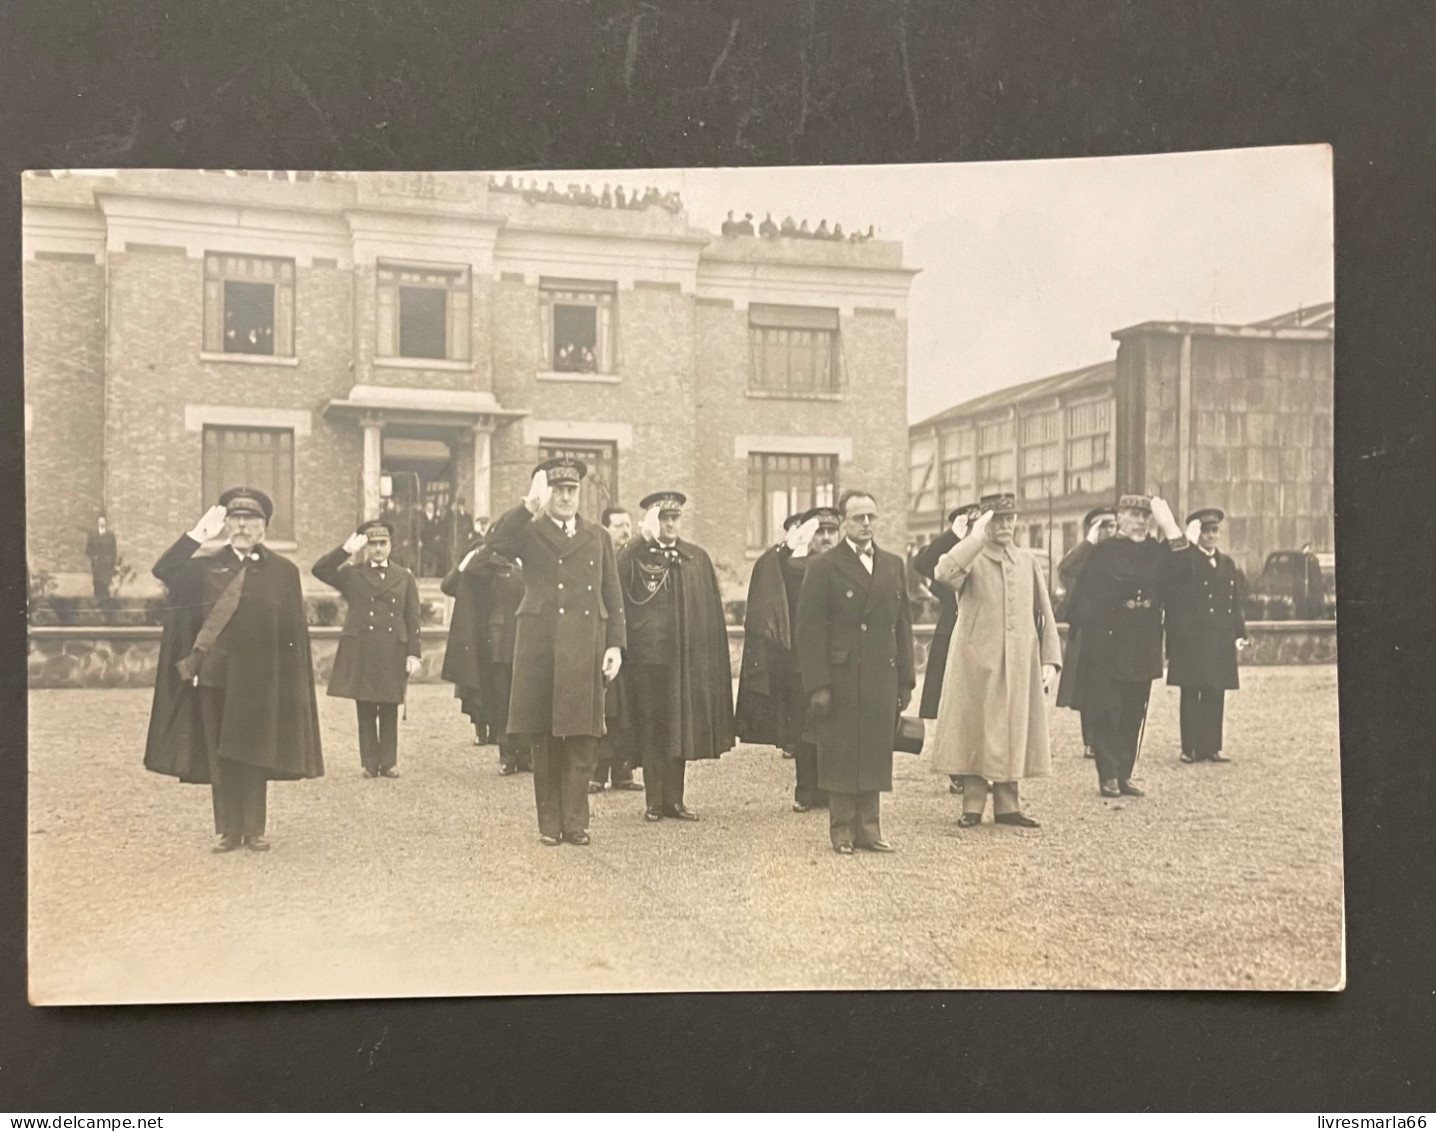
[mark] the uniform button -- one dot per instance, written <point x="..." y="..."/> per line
<point x="371" y="628"/>
<point x="590" y="588"/>
<point x="864" y="627"/>
<point x="560" y="610"/>
<point x="585" y="612"/>
<point x="560" y="584"/>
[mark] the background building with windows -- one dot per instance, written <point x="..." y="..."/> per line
<point x="358" y="344"/>
<point x="1204" y="414"/>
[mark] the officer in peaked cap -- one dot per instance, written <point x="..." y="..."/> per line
<point x="379" y="647"/>
<point x="925" y="563"/>
<point x="234" y="702"/>
<point x="681" y="684"/>
<point x="1099" y="524"/>
<point x="1206" y="629"/>
<point x="1116" y="605"/>
<point x="568" y="643"/>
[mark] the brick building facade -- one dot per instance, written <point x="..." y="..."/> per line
<point x="1234" y="416"/>
<point x="342" y="339"/>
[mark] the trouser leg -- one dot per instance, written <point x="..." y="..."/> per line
<point x="238" y="791"/>
<point x="548" y="784"/>
<point x="388" y="738"/>
<point x="868" y="828"/>
<point x="974" y="793"/>
<point x="675" y="771"/>
<point x="1191" y="720"/>
<point x="579" y="753"/>
<point x="1210" y="710"/>
<point x="1103" y="728"/>
<point x="1004" y="798"/>
<point x="368" y="714"/>
<point x="842" y="817"/>
<point x="1133" y="713"/>
<point x="806" y="791"/>
<point x="1086" y="729"/>
<point x="250" y="786"/>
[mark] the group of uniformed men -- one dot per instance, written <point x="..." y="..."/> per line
<point x="587" y="653"/>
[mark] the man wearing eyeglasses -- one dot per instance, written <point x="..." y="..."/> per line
<point x="854" y="642"/>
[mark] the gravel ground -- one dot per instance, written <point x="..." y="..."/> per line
<point x="435" y="884"/>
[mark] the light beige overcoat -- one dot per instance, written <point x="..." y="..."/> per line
<point x="992" y="721"/>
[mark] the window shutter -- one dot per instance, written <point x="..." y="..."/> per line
<point x="546" y="331"/>
<point x="605" y="337"/>
<point x="458" y="314"/>
<point x="386" y="342"/>
<point x="284" y="312"/>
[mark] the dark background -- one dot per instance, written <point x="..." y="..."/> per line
<point x="442" y="84"/>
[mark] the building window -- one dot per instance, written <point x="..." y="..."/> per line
<point x="922" y="485"/>
<point x="795" y="349"/>
<point x="994" y="457"/>
<point x="1041" y="455"/>
<point x="423" y="312"/>
<point x="1069" y="536"/>
<point x="1089" y="462"/>
<point x="958" y="467"/>
<point x="248" y="305"/>
<point x="252" y="457"/>
<point x="578" y="326"/>
<point x="1036" y="536"/>
<point x="600" y="485"/>
<point x="781" y="485"/>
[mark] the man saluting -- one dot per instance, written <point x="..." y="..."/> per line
<point x="234" y="701"/>
<point x="568" y="642"/>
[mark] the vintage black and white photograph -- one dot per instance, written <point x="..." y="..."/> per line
<point x="794" y="578"/>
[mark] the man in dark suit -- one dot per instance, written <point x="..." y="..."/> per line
<point x="103" y="553"/>
<point x="379" y="645"/>
<point x="1100" y="524"/>
<point x="925" y="562"/>
<point x="855" y="652"/>
<point x="234" y="702"/>
<point x="1206" y="628"/>
<point x="568" y="643"/>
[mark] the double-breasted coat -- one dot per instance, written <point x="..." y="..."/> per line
<point x="572" y="611"/>
<point x="993" y="718"/>
<point x="854" y="637"/>
<point x="381" y="627"/>
<point x="1069" y="569"/>
<point x="925" y="562"/>
<point x="1204" y="619"/>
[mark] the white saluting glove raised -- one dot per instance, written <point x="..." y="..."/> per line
<point x="354" y="543"/>
<point x="539" y="493"/>
<point x="210" y="525"/>
<point x="1094" y="532"/>
<point x="1164" y="518"/>
<point x="960" y="523"/>
<point x="799" y="537"/>
<point x="1194" y="531"/>
<point x="649" y="526"/>
<point x="980" y="523"/>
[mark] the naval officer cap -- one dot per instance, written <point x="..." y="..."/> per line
<point x="1095" y="513"/>
<point x="793" y="520"/>
<point x="1208" y="516"/>
<point x="376" y="530"/>
<point x="970" y="509"/>
<point x="247" y="501"/>
<point x="1134" y="503"/>
<point x="1002" y="503"/>
<point x="826" y="516"/>
<point x="665" y="501"/>
<point x="562" y="469"/>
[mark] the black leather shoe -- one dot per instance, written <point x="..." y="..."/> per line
<point x="967" y="820"/>
<point x="954" y="786"/>
<point x="368" y="773"/>
<point x="1127" y="789"/>
<point x="228" y="844"/>
<point x="1021" y="820"/>
<point x="680" y="812"/>
<point x="550" y="841"/>
<point x="1217" y="757"/>
<point x="843" y="849"/>
<point x="877" y="846"/>
<point x="389" y="772"/>
<point x="799" y="807"/>
<point x="507" y="769"/>
<point x="629" y="786"/>
<point x="578" y="838"/>
<point x="256" y="844"/>
<point x="1111" y="789"/>
<point x="651" y="814"/>
<point x="1087" y="752"/>
<point x="1188" y="757"/>
<point x="595" y="787"/>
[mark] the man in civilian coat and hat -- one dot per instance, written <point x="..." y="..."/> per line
<point x="680" y="682"/>
<point x="1206" y="628"/>
<point x="855" y="653"/>
<point x="234" y="703"/>
<point x="925" y="562"/>
<point x="1099" y="525"/>
<point x="1117" y="607"/>
<point x="379" y="645"/>
<point x="568" y="642"/>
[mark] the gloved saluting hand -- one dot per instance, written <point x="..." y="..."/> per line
<point x="355" y="542"/>
<point x="981" y="523"/>
<point x="539" y="493"/>
<point x="799" y="537"/>
<point x="210" y="525"/>
<point x="1194" y="531"/>
<point x="960" y="524"/>
<point x="649" y="526"/>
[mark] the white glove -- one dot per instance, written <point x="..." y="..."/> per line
<point x="1194" y="531"/>
<point x="649" y="526"/>
<point x="612" y="661"/>
<point x="355" y="542"/>
<point x="960" y="525"/>
<point x="413" y="666"/>
<point x="1049" y="673"/>
<point x="980" y="524"/>
<point x="1163" y="515"/>
<point x="210" y="525"/>
<point x="799" y="537"/>
<point x="539" y="493"/>
<point x="1094" y="532"/>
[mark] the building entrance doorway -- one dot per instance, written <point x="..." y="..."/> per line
<point x="417" y="488"/>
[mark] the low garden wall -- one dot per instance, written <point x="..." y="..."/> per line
<point x="126" y="657"/>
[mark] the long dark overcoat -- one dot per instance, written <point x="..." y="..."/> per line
<point x="1204" y="620"/>
<point x="381" y="628"/>
<point x="572" y="611"/>
<point x="925" y="562"/>
<point x="761" y="714"/>
<point x="855" y="638"/>
<point x="1069" y="569"/>
<point x="271" y="714"/>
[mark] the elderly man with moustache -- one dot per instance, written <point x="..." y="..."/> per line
<point x="992" y="724"/>
<point x="1117" y="607"/>
<point x="854" y="641"/>
<point x="567" y="645"/>
<point x="234" y="702"/>
<point x="1206" y="629"/>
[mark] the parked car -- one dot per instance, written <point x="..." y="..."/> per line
<point x="1295" y="584"/>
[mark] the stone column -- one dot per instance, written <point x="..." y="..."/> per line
<point x="373" y="464"/>
<point x="483" y="486"/>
